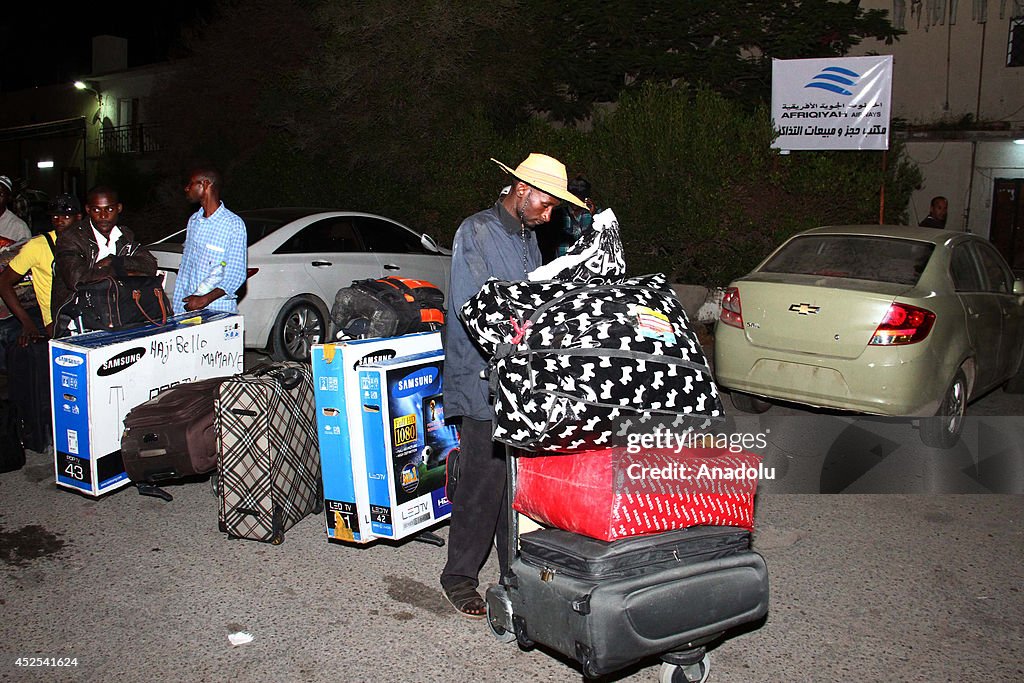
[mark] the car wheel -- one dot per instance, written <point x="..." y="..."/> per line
<point x="301" y="323"/>
<point x="749" y="404"/>
<point x="943" y="430"/>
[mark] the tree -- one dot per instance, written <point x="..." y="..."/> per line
<point x="396" y="108"/>
<point x="602" y="49"/>
<point x="703" y="198"/>
<point x="233" y="95"/>
<point x="390" y="78"/>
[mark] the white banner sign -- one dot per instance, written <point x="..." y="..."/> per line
<point x="840" y="103"/>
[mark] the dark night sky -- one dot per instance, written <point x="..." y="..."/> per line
<point x="43" y="45"/>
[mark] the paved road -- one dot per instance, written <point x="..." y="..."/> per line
<point x="919" y="586"/>
<point x="830" y="452"/>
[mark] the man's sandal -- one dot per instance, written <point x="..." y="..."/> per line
<point x="466" y="600"/>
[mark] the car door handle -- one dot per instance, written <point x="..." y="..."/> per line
<point x="321" y="264"/>
<point x="391" y="266"/>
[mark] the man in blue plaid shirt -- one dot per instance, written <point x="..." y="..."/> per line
<point x="214" y="260"/>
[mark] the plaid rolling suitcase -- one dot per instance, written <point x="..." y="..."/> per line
<point x="269" y="455"/>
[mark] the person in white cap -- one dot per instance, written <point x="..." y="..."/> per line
<point x="496" y="242"/>
<point x="12" y="228"/>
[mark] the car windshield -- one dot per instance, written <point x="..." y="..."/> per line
<point x="859" y="257"/>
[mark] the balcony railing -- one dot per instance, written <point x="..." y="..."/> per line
<point x="139" y="138"/>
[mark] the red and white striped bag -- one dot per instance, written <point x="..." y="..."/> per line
<point x="612" y="493"/>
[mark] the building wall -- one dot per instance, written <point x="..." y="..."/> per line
<point x="944" y="72"/>
<point x="19" y="158"/>
<point x="100" y="109"/>
<point x="946" y="166"/>
<point x="994" y="161"/>
<point x="946" y="169"/>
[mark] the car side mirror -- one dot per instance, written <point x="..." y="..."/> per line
<point x="428" y="243"/>
<point x="1018" y="286"/>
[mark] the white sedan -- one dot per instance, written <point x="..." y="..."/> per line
<point x="300" y="258"/>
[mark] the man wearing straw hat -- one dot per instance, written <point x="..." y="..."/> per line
<point x="496" y="242"/>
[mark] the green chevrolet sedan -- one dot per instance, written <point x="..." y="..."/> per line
<point x="877" y="319"/>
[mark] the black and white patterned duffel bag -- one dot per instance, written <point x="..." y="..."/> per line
<point x="596" y="256"/>
<point x="574" y="362"/>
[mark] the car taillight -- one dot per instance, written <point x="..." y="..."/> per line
<point x="903" y="324"/>
<point x="249" y="272"/>
<point x="731" y="314"/>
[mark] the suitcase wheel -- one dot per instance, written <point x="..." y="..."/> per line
<point x="318" y="504"/>
<point x="498" y="630"/>
<point x="277" y="526"/>
<point x="697" y="672"/>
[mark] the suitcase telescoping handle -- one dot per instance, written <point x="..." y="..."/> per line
<point x="289" y="377"/>
<point x="512" y="470"/>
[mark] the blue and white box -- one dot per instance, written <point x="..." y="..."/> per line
<point x="339" y="424"/>
<point x="407" y="443"/>
<point x="96" y="378"/>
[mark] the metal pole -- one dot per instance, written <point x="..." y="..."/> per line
<point x="949" y="53"/>
<point x="981" y="70"/>
<point x="881" y="196"/>
<point x="85" y="167"/>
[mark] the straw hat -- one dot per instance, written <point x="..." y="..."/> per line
<point x="545" y="174"/>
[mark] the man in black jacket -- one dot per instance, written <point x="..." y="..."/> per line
<point x="96" y="247"/>
<point x="937" y="212"/>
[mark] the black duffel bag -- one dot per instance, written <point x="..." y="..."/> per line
<point x="114" y="303"/>
<point x="387" y="307"/>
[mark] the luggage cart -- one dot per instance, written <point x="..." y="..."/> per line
<point x="611" y="605"/>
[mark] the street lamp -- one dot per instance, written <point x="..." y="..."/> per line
<point x="94" y="89"/>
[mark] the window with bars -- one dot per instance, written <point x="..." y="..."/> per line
<point x="1015" y="48"/>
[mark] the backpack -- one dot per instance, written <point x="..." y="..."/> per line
<point x="387" y="307"/>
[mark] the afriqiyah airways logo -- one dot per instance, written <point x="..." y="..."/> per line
<point x="833" y="79"/>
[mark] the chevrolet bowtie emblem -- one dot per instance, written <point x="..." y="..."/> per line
<point x="804" y="309"/>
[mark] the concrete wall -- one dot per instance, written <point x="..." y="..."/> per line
<point x="946" y="167"/>
<point x="942" y="74"/>
<point x="947" y="71"/>
<point x="994" y="161"/>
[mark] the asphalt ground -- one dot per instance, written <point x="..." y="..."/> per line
<point x="888" y="576"/>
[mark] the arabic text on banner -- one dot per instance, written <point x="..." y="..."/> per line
<point x="840" y="103"/>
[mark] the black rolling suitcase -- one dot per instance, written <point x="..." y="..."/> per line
<point x="28" y="388"/>
<point x="171" y="436"/>
<point x="269" y="465"/>
<point x="608" y="605"/>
